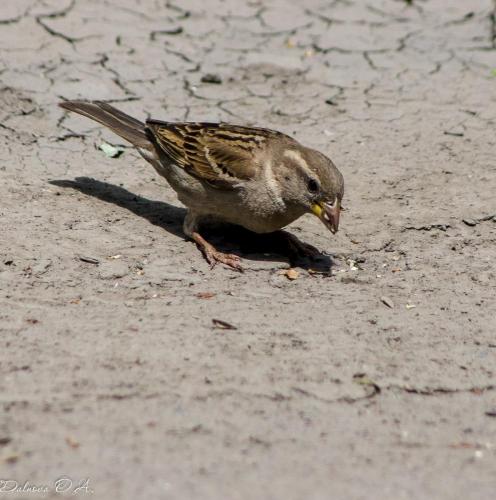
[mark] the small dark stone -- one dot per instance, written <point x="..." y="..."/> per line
<point x="211" y="78"/>
<point x="89" y="260"/>
<point x="491" y="412"/>
<point x="470" y="222"/>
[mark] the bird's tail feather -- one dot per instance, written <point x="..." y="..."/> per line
<point x="126" y="126"/>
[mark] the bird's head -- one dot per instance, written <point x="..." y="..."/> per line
<point x="316" y="184"/>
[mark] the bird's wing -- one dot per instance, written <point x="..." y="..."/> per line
<point x="218" y="153"/>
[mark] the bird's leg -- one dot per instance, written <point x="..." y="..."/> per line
<point x="298" y="248"/>
<point x="212" y="255"/>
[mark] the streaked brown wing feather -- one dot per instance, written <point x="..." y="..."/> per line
<point x="220" y="154"/>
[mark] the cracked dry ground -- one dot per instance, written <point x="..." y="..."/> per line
<point x="112" y="371"/>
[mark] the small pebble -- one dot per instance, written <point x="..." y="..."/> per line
<point x="291" y="274"/>
<point x="89" y="260"/>
<point x="387" y="301"/>
<point x="211" y="78"/>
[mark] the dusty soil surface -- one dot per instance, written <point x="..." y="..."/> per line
<point x="370" y="376"/>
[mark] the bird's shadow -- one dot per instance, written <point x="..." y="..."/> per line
<point x="225" y="237"/>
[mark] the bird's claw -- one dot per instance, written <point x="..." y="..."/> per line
<point x="212" y="255"/>
<point x="229" y="259"/>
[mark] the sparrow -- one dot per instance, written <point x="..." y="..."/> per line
<point x="257" y="178"/>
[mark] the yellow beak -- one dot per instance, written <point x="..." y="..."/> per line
<point x="328" y="214"/>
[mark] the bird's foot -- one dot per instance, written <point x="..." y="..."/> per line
<point x="213" y="256"/>
<point x="229" y="259"/>
<point x="298" y="248"/>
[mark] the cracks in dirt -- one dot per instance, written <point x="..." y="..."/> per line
<point x="338" y="50"/>
<point x="492" y="20"/>
<point x="55" y="15"/>
<point x="426" y="227"/>
<point x="183" y="13"/>
<point x="295" y="391"/>
<point x="371" y="86"/>
<point x="184" y="58"/>
<point x="402" y="44"/>
<point x="373" y="390"/>
<point x="301" y="114"/>
<point x="221" y="106"/>
<point x="69" y="135"/>
<point x="404" y="39"/>
<point x="133" y="12"/>
<point x="60" y="14"/>
<point x="370" y="392"/>
<point x="257" y="16"/>
<point x="15" y="103"/>
<point x="116" y="77"/>
<point x="9" y="129"/>
<point x="170" y="32"/>
<point x="492" y="29"/>
<point x="385" y="247"/>
<point x="462" y="20"/>
<point x="434" y="391"/>
<point x="191" y="90"/>
<point x="13" y="20"/>
<point x="278" y="397"/>
<point x="339" y="92"/>
<point x="389" y="16"/>
<point x="329" y="21"/>
<point x="439" y="64"/>
<point x="370" y="62"/>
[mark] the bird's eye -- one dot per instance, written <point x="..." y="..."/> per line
<point x="313" y="186"/>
